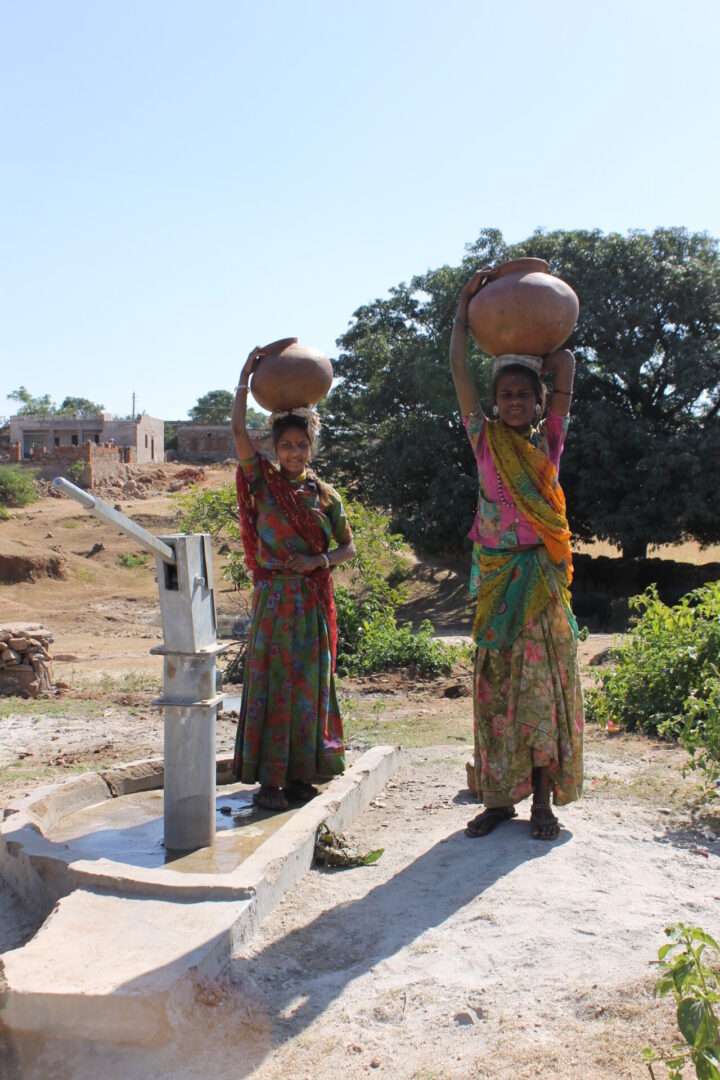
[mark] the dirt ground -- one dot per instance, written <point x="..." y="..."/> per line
<point x="451" y="957"/>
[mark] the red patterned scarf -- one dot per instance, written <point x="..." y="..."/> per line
<point x="304" y="524"/>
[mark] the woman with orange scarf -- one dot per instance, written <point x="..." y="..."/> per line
<point x="528" y="708"/>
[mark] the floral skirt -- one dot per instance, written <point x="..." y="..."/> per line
<point x="528" y="712"/>
<point x="290" y="726"/>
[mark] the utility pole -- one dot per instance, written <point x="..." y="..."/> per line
<point x="133" y="412"/>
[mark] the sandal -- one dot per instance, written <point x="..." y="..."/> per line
<point x="270" y="798"/>
<point x="543" y="823"/>
<point x="489" y="819"/>
<point x="300" y="790"/>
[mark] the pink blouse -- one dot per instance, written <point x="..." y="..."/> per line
<point x="498" y="523"/>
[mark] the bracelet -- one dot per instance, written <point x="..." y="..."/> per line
<point x="556" y="390"/>
<point x="462" y="322"/>
<point x="326" y="557"/>
<point x="241" y="386"/>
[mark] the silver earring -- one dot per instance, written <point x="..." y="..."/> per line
<point x="496" y="411"/>
<point x="538" y="410"/>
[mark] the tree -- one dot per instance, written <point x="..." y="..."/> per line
<point x="80" y="406"/>
<point x="647" y="409"/>
<point x="32" y="406"/>
<point x="216" y="407"/>
<point x="646" y="423"/>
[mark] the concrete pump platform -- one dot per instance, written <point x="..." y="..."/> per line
<point x="128" y="924"/>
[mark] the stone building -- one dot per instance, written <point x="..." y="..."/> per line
<point x="213" y="442"/>
<point x="143" y="437"/>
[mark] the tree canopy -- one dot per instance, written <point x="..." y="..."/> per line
<point x="646" y="416"/>
<point x="216" y="407"/>
<point x="45" y="406"/>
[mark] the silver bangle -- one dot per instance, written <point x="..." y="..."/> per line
<point x="326" y="557"/>
<point x="241" y="386"/>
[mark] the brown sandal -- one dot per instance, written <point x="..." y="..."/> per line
<point x="300" y="790"/>
<point x="270" y="798"/>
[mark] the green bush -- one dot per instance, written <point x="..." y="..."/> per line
<point x="131" y="561"/>
<point x="17" y="485"/>
<point x="76" y="471"/>
<point x="370" y="640"/>
<point x="663" y="664"/>
<point x="664" y="679"/>
<point x="3" y="514"/>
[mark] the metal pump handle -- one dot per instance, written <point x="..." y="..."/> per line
<point x="114" y="517"/>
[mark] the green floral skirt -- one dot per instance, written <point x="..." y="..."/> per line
<point x="528" y="712"/>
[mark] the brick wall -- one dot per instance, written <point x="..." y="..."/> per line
<point x="103" y="462"/>
<point x="213" y="442"/>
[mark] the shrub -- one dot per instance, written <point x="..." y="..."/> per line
<point x="131" y="561"/>
<point x="371" y="641"/>
<point x="17" y="485"/>
<point x="76" y="471"/>
<point x="663" y="664"/>
<point x="665" y="679"/>
<point x="3" y="514"/>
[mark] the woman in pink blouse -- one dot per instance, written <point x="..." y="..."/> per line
<point x="528" y="709"/>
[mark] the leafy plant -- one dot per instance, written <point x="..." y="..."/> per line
<point x="382" y="645"/>
<point x="664" y="679"/>
<point x="215" y="510"/>
<point x="3" y="514"/>
<point x="696" y="989"/>
<point x="76" y="471"/>
<point x="17" y="486"/>
<point x="131" y="561"/>
<point x="701" y="733"/>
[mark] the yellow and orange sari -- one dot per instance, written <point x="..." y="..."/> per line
<point x="528" y="707"/>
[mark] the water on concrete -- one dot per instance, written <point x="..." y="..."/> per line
<point x="129" y="830"/>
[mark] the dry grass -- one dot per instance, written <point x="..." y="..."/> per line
<point x="689" y="552"/>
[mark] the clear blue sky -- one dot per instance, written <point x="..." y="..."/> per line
<point x="182" y="180"/>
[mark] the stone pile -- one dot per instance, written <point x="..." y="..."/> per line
<point x="25" y="663"/>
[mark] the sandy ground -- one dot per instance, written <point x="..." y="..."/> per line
<point x="452" y="957"/>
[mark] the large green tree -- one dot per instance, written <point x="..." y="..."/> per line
<point x="645" y="438"/>
<point x="216" y="407"/>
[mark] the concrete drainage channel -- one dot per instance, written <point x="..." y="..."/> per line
<point x="128" y="923"/>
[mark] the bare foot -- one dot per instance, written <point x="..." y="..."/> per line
<point x="543" y="823"/>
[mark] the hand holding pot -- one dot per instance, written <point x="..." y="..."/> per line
<point x="476" y="282"/>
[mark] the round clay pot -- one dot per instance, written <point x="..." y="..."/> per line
<point x="522" y="309"/>
<point x="290" y="376"/>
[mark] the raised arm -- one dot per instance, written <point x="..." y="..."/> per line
<point x="464" y="386"/>
<point x="561" y="365"/>
<point x="243" y="445"/>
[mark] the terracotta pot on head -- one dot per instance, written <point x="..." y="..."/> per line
<point x="523" y="309"/>
<point x="290" y="376"/>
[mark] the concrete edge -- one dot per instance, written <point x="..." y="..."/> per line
<point x="39" y="875"/>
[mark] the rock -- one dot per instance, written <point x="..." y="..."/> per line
<point x="19" y="680"/>
<point x="603" y="657"/>
<point x="9" y="656"/>
<point x="471" y="779"/>
<point x="19" y="644"/>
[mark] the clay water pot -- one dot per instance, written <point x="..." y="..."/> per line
<point x="290" y="376"/>
<point x="522" y="309"/>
